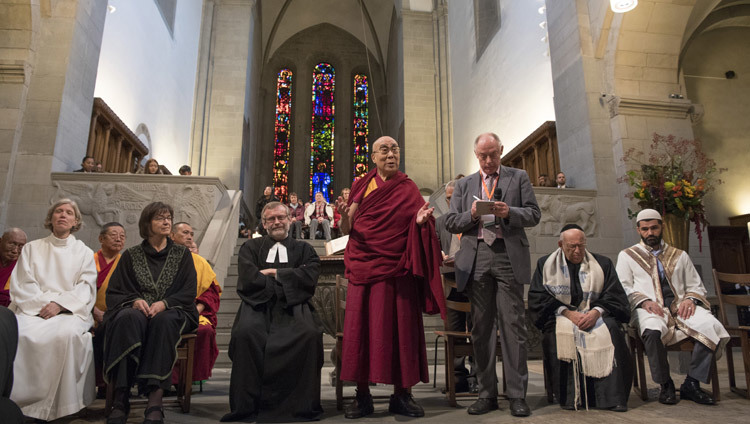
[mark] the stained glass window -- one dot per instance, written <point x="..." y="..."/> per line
<point x="282" y="128"/>
<point x="321" y="140"/>
<point x="360" y="126"/>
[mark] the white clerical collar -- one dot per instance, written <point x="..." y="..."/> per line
<point x="279" y="250"/>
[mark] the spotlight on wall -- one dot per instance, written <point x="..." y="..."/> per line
<point x="543" y="25"/>
<point x="542" y="10"/>
<point x="544" y="39"/>
<point x="622" y="6"/>
<point x="676" y="96"/>
<point x="730" y="74"/>
<point x="111" y="9"/>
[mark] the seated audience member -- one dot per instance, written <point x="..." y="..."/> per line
<point x="52" y="292"/>
<point x="336" y="215"/>
<point x="542" y="181"/>
<point x="266" y="198"/>
<point x="9" y="411"/>
<point x="297" y="212"/>
<point x="560" y="180"/>
<point x="98" y="167"/>
<point x="319" y="213"/>
<point x="185" y="170"/>
<point x="152" y="167"/>
<point x="150" y="303"/>
<point x="112" y="241"/>
<point x="207" y="303"/>
<point x="88" y="164"/>
<point x="578" y="303"/>
<point x="277" y="346"/>
<point x="11" y="244"/>
<point x="669" y="304"/>
<point x="244" y="232"/>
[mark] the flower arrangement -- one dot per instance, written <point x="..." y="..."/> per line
<point x="673" y="179"/>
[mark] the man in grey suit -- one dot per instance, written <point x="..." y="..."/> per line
<point x="492" y="266"/>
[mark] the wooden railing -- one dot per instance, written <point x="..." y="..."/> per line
<point x="112" y="142"/>
<point x="537" y="154"/>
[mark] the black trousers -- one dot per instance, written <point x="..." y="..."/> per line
<point x="700" y="361"/>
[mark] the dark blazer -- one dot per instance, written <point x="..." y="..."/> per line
<point x="518" y="194"/>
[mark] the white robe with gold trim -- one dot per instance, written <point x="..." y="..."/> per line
<point x="54" y="368"/>
<point x="641" y="285"/>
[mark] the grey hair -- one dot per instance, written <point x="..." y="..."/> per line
<point x="77" y="212"/>
<point x="491" y="134"/>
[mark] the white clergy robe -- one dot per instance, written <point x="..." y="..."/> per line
<point x="54" y="368"/>
<point x="639" y="275"/>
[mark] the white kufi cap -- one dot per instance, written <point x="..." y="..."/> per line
<point x="647" y="215"/>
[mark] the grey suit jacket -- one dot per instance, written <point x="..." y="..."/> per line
<point x="518" y="194"/>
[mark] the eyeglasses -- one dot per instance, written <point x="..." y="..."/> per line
<point x="163" y="218"/>
<point x="385" y="149"/>
<point x="275" y="218"/>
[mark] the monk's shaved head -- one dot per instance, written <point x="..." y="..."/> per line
<point x="382" y="140"/>
<point x="11" y="243"/>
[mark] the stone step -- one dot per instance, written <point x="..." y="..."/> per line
<point x="232" y="270"/>
<point x="230" y="281"/>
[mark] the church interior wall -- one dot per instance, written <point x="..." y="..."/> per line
<point x="53" y="115"/>
<point x="394" y="123"/>
<point x="147" y="75"/>
<point x="723" y="126"/>
<point x="508" y="90"/>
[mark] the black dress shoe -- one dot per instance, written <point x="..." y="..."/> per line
<point x="667" y="395"/>
<point x="619" y="408"/>
<point x="519" y="408"/>
<point x="482" y="406"/>
<point x="403" y="404"/>
<point x="692" y="390"/>
<point x="360" y="407"/>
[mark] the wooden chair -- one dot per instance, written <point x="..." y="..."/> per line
<point x="185" y="356"/>
<point x="457" y="344"/>
<point x="639" y="377"/>
<point x="739" y="333"/>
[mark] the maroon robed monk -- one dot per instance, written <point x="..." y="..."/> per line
<point x="392" y="262"/>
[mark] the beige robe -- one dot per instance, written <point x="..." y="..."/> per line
<point x="639" y="275"/>
<point x="54" y="368"/>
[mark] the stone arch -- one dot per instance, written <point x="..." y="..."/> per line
<point x="320" y="43"/>
<point x="143" y="134"/>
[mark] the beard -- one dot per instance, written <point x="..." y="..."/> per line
<point x="652" y="241"/>
<point x="278" y="233"/>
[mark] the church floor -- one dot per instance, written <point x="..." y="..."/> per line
<point x="209" y="406"/>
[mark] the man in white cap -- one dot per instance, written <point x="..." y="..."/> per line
<point x="669" y="304"/>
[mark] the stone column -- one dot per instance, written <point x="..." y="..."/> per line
<point x="59" y="44"/>
<point x="221" y="84"/>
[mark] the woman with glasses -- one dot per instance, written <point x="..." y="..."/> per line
<point x="150" y="303"/>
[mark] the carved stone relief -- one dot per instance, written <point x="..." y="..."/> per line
<point x="123" y="202"/>
<point x="558" y="210"/>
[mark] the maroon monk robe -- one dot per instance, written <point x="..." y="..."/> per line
<point x="393" y="269"/>
<point x="5" y="272"/>
<point x="206" y="349"/>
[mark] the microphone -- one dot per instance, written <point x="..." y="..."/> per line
<point x="498" y="194"/>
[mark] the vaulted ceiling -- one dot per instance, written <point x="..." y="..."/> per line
<point x="367" y="20"/>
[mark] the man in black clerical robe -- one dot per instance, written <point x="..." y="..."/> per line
<point x="277" y="343"/>
<point x="578" y="303"/>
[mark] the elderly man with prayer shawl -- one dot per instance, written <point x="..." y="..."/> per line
<point x="52" y="292"/>
<point x="579" y="305"/>
<point x="669" y="300"/>
<point x="392" y="262"/>
<point x="207" y="301"/>
<point x="277" y="341"/>
<point x="11" y="244"/>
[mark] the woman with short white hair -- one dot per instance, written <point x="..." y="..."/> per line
<point x="52" y="292"/>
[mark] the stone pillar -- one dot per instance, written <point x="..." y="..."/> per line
<point x="421" y="152"/>
<point x="583" y="132"/>
<point x="59" y="50"/>
<point x="220" y="90"/>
